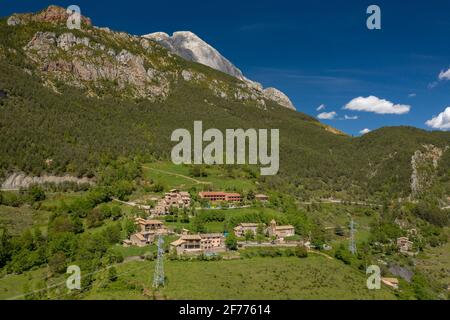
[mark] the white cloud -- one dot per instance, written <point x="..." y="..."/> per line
<point x="346" y="117"/>
<point x="432" y="85"/>
<point x="441" y="121"/>
<point x="444" y="75"/>
<point x="321" y="107"/>
<point x="377" y="105"/>
<point x="365" y="131"/>
<point x="412" y="95"/>
<point x="327" y="115"/>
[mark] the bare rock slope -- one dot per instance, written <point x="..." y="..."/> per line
<point x="191" y="47"/>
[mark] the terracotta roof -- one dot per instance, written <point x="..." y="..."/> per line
<point x="218" y="193"/>
<point x="211" y="193"/>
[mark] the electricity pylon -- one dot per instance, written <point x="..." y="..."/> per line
<point x="352" y="244"/>
<point x="158" y="277"/>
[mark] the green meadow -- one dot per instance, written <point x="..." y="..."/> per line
<point x="315" y="277"/>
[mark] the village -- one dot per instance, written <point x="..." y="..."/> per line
<point x="149" y="229"/>
<point x="191" y="243"/>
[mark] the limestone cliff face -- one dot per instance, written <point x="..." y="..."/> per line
<point x="191" y="47"/>
<point x="20" y="180"/>
<point x="85" y="63"/>
<point x="424" y="164"/>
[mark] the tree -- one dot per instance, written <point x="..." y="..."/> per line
<point x="129" y="227"/>
<point x="249" y="235"/>
<point x="301" y="252"/>
<point x="5" y="247"/>
<point x="231" y="242"/>
<point x="57" y="262"/>
<point x="105" y="210"/>
<point x="112" y="233"/>
<point x="199" y="225"/>
<point x="77" y="225"/>
<point x="343" y="254"/>
<point x="251" y="195"/>
<point x="36" y="193"/>
<point x="157" y="187"/>
<point x="94" y="218"/>
<point x="116" y="213"/>
<point x="260" y="230"/>
<point x="112" y="274"/>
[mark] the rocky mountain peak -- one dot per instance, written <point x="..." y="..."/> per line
<point x="136" y="67"/>
<point x="52" y="14"/>
<point x="191" y="47"/>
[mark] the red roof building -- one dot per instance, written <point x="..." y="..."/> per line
<point x="220" y="196"/>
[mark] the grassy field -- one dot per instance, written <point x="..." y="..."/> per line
<point x="56" y="200"/>
<point x="435" y="263"/>
<point x="13" y="285"/>
<point x="178" y="176"/>
<point x="17" y="220"/>
<point x="315" y="277"/>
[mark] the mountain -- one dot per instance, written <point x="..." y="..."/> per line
<point x="190" y="47"/>
<point x="75" y="99"/>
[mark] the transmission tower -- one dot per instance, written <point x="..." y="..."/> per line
<point x="158" y="278"/>
<point x="352" y="244"/>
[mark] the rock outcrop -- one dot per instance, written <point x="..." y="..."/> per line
<point x="52" y="14"/>
<point x="81" y="62"/>
<point x="191" y="47"/>
<point x="279" y="97"/>
<point x="424" y="164"/>
<point x="20" y="180"/>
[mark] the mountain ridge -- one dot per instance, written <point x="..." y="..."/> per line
<point x="80" y="97"/>
<point x="191" y="47"/>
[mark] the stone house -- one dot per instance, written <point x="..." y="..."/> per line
<point x="199" y="243"/>
<point x="280" y="232"/>
<point x="241" y="229"/>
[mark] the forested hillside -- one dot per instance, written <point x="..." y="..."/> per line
<point x="58" y="120"/>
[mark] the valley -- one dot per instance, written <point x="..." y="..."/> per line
<point x="86" y="125"/>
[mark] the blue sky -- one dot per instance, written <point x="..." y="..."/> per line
<point x="317" y="52"/>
